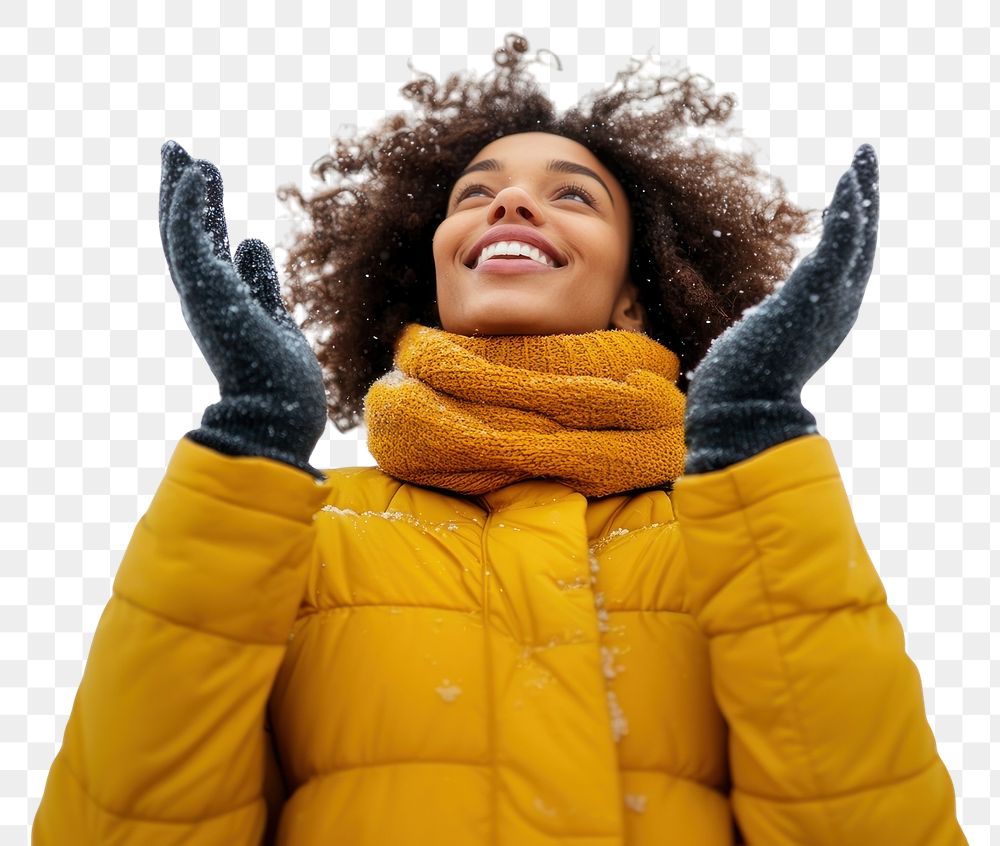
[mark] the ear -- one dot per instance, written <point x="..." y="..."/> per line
<point x="628" y="312"/>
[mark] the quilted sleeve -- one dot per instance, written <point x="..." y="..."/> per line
<point x="829" y="741"/>
<point x="166" y="741"/>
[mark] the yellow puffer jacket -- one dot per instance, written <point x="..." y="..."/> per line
<point x="525" y="667"/>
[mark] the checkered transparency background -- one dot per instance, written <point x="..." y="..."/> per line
<point x="100" y="376"/>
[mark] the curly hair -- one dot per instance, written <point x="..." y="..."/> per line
<point x="707" y="243"/>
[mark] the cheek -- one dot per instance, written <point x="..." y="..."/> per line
<point x="446" y="273"/>
<point x="447" y="235"/>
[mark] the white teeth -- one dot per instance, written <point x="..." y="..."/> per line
<point x="514" y="248"/>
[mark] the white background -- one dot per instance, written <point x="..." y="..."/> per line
<point x="99" y="376"/>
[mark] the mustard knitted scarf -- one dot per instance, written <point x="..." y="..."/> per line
<point x="598" y="411"/>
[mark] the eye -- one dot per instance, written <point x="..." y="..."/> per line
<point x="579" y="191"/>
<point x="468" y="191"/>
<point x="563" y="191"/>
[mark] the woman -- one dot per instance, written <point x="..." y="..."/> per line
<point x="516" y="629"/>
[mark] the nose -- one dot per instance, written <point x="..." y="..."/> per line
<point x="515" y="201"/>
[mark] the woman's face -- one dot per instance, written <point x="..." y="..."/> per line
<point x="535" y="190"/>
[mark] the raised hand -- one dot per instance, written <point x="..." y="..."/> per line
<point x="745" y="394"/>
<point x="273" y="400"/>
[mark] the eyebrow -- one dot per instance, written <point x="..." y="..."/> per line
<point x="554" y="166"/>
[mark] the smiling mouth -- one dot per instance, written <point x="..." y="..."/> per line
<point x="514" y="250"/>
<point x="512" y="264"/>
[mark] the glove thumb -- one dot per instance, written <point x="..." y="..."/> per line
<point x="255" y="265"/>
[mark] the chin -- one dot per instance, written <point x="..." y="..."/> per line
<point x="510" y="312"/>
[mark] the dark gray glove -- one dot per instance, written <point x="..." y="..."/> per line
<point x="273" y="400"/>
<point x="745" y="394"/>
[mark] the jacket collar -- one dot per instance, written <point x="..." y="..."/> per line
<point x="529" y="493"/>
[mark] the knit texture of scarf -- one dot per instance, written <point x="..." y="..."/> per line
<point x="598" y="411"/>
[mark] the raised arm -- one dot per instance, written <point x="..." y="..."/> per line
<point x="167" y="740"/>
<point x="829" y="740"/>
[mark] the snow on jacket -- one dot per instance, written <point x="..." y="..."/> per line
<point x="371" y="662"/>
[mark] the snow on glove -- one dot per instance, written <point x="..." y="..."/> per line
<point x="273" y="399"/>
<point x="745" y="394"/>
